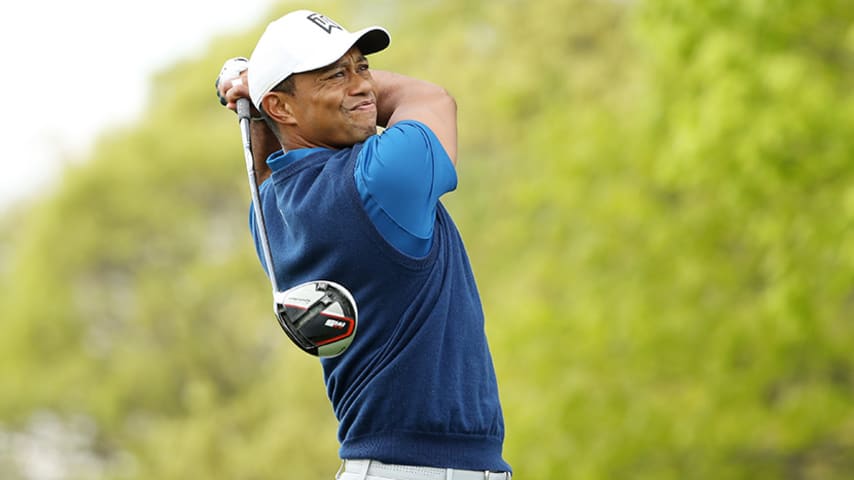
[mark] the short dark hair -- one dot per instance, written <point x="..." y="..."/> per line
<point x="285" y="86"/>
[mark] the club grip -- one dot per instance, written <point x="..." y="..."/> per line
<point x="243" y="108"/>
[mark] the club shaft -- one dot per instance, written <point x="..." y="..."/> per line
<point x="243" y="115"/>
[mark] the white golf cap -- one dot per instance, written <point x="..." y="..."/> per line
<point x="302" y="41"/>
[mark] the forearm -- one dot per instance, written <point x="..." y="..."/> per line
<point x="396" y="91"/>
<point x="264" y="143"/>
<point x="232" y="85"/>
<point x="405" y="98"/>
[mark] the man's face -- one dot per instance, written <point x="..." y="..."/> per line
<point x="336" y="106"/>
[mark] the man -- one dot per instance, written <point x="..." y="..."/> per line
<point x="415" y="394"/>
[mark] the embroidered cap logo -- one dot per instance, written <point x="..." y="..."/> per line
<point x="324" y="22"/>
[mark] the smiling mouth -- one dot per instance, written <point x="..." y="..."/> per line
<point x="364" y="106"/>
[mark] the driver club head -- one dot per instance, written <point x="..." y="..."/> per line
<point x="318" y="316"/>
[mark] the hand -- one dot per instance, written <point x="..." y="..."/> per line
<point x="231" y="83"/>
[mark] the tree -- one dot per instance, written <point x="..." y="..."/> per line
<point x="656" y="200"/>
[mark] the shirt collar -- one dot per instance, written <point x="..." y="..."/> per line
<point x="281" y="159"/>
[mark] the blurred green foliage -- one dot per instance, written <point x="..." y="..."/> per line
<point x="657" y="198"/>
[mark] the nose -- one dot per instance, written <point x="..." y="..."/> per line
<point x="360" y="84"/>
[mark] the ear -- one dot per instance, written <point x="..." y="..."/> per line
<point x="279" y="107"/>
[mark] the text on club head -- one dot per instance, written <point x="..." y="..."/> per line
<point x="337" y="324"/>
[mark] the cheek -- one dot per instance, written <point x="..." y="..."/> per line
<point x="318" y="115"/>
<point x="329" y="107"/>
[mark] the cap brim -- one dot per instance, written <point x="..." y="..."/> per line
<point x="372" y="40"/>
<point x="368" y="40"/>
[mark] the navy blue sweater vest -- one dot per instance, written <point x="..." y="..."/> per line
<point x="417" y="386"/>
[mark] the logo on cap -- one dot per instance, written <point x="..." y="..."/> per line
<point x="324" y="22"/>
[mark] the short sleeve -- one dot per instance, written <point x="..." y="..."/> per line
<point x="400" y="176"/>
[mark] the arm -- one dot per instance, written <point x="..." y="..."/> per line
<point x="264" y="141"/>
<point x="405" y="98"/>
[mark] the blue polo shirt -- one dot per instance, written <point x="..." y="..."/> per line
<point x="417" y="385"/>
<point x="399" y="190"/>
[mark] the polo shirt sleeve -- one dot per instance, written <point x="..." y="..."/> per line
<point x="400" y="176"/>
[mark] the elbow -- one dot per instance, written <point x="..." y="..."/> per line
<point x="437" y="95"/>
<point x="448" y="100"/>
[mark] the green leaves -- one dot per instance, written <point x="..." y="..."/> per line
<point x="655" y="197"/>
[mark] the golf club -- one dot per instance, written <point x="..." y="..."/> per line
<point x="318" y="316"/>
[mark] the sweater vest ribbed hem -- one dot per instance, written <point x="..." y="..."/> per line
<point x="459" y="451"/>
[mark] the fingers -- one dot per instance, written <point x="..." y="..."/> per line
<point x="219" y="93"/>
<point x="231" y="84"/>
<point x="229" y="91"/>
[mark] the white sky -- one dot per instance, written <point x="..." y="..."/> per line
<point x="72" y="67"/>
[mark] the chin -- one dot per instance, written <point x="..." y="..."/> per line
<point x="367" y="132"/>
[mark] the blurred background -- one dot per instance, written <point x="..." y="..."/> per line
<point x="657" y="197"/>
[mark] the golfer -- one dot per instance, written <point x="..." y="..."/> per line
<point x="415" y="394"/>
